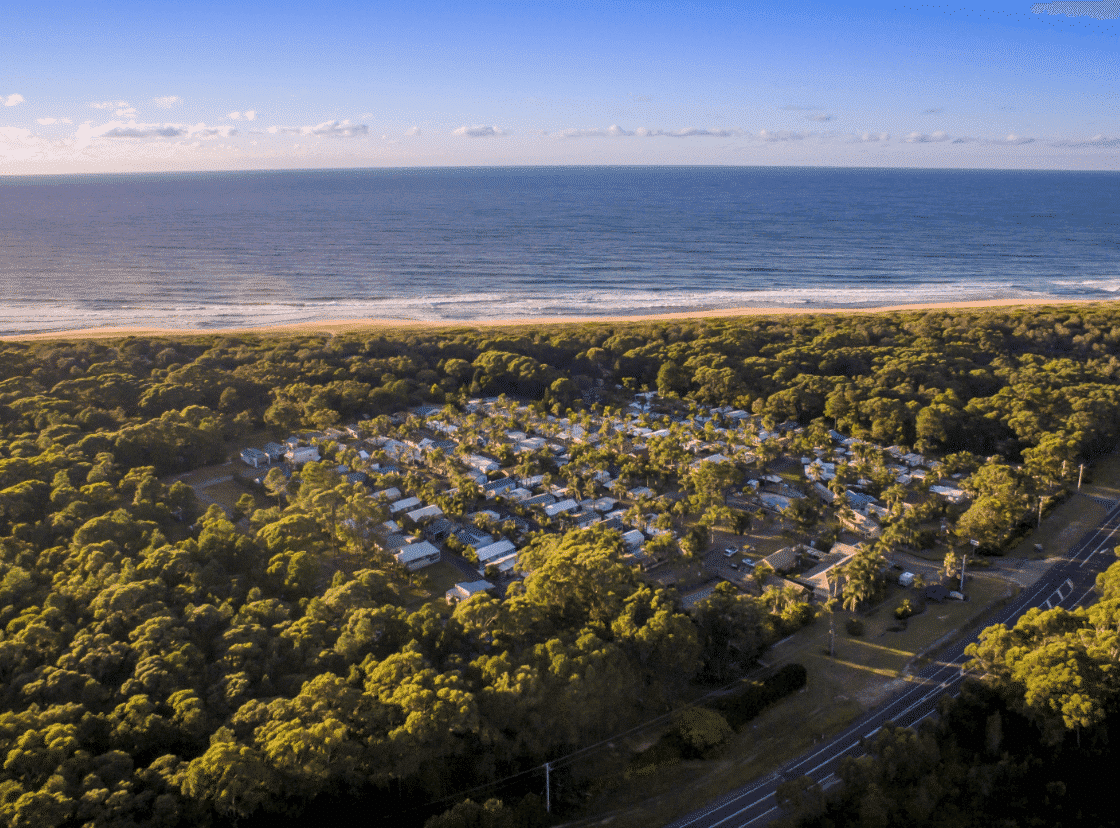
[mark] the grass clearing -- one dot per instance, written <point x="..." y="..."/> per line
<point x="1066" y="524"/>
<point x="435" y="580"/>
<point x="1102" y="479"/>
<point x="226" y="494"/>
<point x="840" y="688"/>
<point x="202" y="475"/>
<point x="1062" y="528"/>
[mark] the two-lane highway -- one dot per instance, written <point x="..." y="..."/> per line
<point x="1067" y="583"/>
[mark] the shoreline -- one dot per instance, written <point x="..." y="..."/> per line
<point x="341" y="326"/>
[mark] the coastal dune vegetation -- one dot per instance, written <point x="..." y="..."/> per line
<point x="166" y="662"/>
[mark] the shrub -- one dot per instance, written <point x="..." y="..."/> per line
<point x="758" y="695"/>
<point x="904" y="610"/>
<point x="700" y="732"/>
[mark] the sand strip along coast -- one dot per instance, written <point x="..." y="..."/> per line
<point x="340" y="326"/>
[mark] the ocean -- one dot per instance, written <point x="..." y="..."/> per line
<point x="218" y="250"/>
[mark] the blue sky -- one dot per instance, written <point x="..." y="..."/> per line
<point x="122" y="86"/>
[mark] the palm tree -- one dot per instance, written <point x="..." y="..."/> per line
<point x="834" y="578"/>
<point x="863" y="579"/>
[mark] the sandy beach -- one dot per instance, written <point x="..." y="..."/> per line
<point x="341" y="326"/>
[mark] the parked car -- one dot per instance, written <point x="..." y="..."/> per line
<point x="729" y="552"/>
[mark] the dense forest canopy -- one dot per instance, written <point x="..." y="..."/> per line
<point x="162" y="663"/>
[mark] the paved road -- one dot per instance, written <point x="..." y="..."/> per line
<point x="1068" y="583"/>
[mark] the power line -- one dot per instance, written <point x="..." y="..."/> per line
<point x="562" y="761"/>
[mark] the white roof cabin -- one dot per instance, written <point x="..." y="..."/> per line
<point x="254" y="457"/>
<point x="633" y="539"/>
<point x="554" y="509"/>
<point x="480" y="463"/>
<point x="504" y="564"/>
<point x="417" y="555"/>
<point x="425" y="512"/>
<point x="715" y="458"/>
<point x="466" y="590"/>
<point x="303" y="454"/>
<point x="495" y="550"/>
<point x="405" y="505"/>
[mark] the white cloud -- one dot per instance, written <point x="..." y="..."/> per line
<point x="1081" y="8"/>
<point x="413" y="132"/>
<point x="780" y="135"/>
<point x="615" y="131"/>
<point x="1099" y="141"/>
<point x="49" y="121"/>
<point x="167" y="101"/>
<point x="478" y="131"/>
<point x="922" y="138"/>
<point x="581" y="133"/>
<point x="868" y="137"/>
<point x="327" y="128"/>
<point x="692" y="132"/>
<point x="14" y="134"/>
<point x="87" y="133"/>
<point x="21" y="145"/>
<point x="247" y="115"/>
<point x="820" y="118"/>
<point x="14" y="99"/>
<point x="122" y="109"/>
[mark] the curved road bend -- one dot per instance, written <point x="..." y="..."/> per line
<point x="1067" y="583"/>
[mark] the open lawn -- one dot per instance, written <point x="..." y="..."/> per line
<point x="1062" y="528"/>
<point x="1102" y="479"/>
<point x="226" y="494"/>
<point x="435" y="580"/>
<point x="206" y="473"/>
<point x="840" y="688"/>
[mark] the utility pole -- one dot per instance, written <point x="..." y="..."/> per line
<point x="1081" y="471"/>
<point x="547" y="789"/>
<point x="964" y="562"/>
<point x="1040" y="511"/>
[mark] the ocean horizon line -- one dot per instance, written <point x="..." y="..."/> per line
<point x="108" y="174"/>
